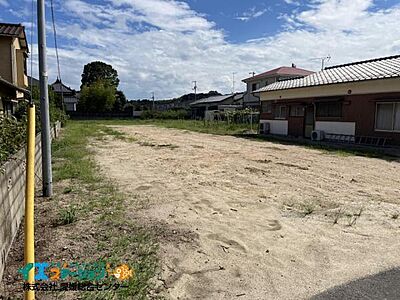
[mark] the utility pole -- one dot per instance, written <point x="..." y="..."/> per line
<point x="195" y="90"/>
<point x="44" y="103"/>
<point x="152" y="97"/>
<point x="233" y="82"/>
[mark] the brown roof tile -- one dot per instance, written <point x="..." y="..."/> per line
<point x="7" y="29"/>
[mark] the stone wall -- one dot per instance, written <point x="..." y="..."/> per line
<point x="12" y="194"/>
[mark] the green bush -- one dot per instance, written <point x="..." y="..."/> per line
<point x="13" y="129"/>
<point x="12" y="136"/>
<point x="166" y="115"/>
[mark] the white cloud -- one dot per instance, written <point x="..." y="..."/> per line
<point x="252" y="13"/>
<point x="162" y="46"/>
<point x="292" y="2"/>
<point x="4" y="3"/>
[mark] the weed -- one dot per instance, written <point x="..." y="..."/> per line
<point x="308" y="208"/>
<point x="361" y="210"/>
<point x="67" y="190"/>
<point x="67" y="215"/>
<point x="337" y="216"/>
<point x="395" y="216"/>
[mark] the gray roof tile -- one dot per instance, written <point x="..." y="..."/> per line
<point x="386" y="67"/>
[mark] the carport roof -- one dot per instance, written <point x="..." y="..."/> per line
<point x="380" y="68"/>
<point x="214" y="99"/>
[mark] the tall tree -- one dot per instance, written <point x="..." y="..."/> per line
<point x="99" y="71"/>
<point x="120" y="101"/>
<point x="97" y="97"/>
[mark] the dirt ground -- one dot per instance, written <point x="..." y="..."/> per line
<point x="246" y="219"/>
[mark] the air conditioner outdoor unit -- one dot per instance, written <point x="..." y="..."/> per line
<point x="317" y="135"/>
<point x="265" y="128"/>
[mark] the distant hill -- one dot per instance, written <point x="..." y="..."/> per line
<point x="183" y="102"/>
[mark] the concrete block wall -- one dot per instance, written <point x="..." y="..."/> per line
<point x="12" y="195"/>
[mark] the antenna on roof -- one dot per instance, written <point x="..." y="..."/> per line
<point x="323" y="60"/>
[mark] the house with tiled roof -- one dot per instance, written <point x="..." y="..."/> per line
<point x="357" y="102"/>
<point x="70" y="96"/>
<point x="258" y="81"/>
<point x="13" y="66"/>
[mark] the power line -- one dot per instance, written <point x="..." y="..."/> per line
<point x="32" y="49"/>
<point x="57" y="56"/>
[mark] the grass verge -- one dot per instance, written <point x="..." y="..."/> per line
<point x="101" y="209"/>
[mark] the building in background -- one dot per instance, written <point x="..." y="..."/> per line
<point x="261" y="80"/>
<point x="70" y="96"/>
<point x="203" y="107"/>
<point x="13" y="67"/>
<point x="357" y="102"/>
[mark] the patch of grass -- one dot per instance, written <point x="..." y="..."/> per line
<point x="67" y="190"/>
<point x="307" y="208"/>
<point x="67" y="216"/>
<point x="118" y="239"/>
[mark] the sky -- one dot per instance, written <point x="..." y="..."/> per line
<point x="162" y="46"/>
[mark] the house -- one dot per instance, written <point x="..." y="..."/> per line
<point x="359" y="101"/>
<point x="261" y="80"/>
<point x="201" y="108"/>
<point x="70" y="96"/>
<point x="13" y="67"/>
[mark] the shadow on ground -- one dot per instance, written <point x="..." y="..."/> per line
<point x="384" y="285"/>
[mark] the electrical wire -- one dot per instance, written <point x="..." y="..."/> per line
<point x="32" y="52"/>
<point x="57" y="56"/>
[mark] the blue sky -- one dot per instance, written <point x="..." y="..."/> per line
<point x="163" y="45"/>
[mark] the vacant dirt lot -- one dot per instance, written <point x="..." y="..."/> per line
<point x="242" y="219"/>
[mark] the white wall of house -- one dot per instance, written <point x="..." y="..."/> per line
<point x="279" y="127"/>
<point x="348" y="128"/>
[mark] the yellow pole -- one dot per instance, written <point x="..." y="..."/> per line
<point x="29" y="249"/>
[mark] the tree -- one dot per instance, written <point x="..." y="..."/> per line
<point x="97" y="70"/>
<point x="97" y="97"/>
<point x="120" y="101"/>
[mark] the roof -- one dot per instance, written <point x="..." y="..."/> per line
<point x="11" y="29"/>
<point x="379" y="68"/>
<point x="214" y="99"/>
<point x="290" y="71"/>
<point x="14" y="30"/>
<point x="13" y="86"/>
<point x="58" y="86"/>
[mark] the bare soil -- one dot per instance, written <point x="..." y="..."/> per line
<point x="256" y="220"/>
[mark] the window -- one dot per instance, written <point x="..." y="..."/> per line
<point x="387" y="116"/>
<point x="280" y="112"/>
<point x="255" y="86"/>
<point x="266" y="107"/>
<point x="297" y="111"/>
<point x="329" y="109"/>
